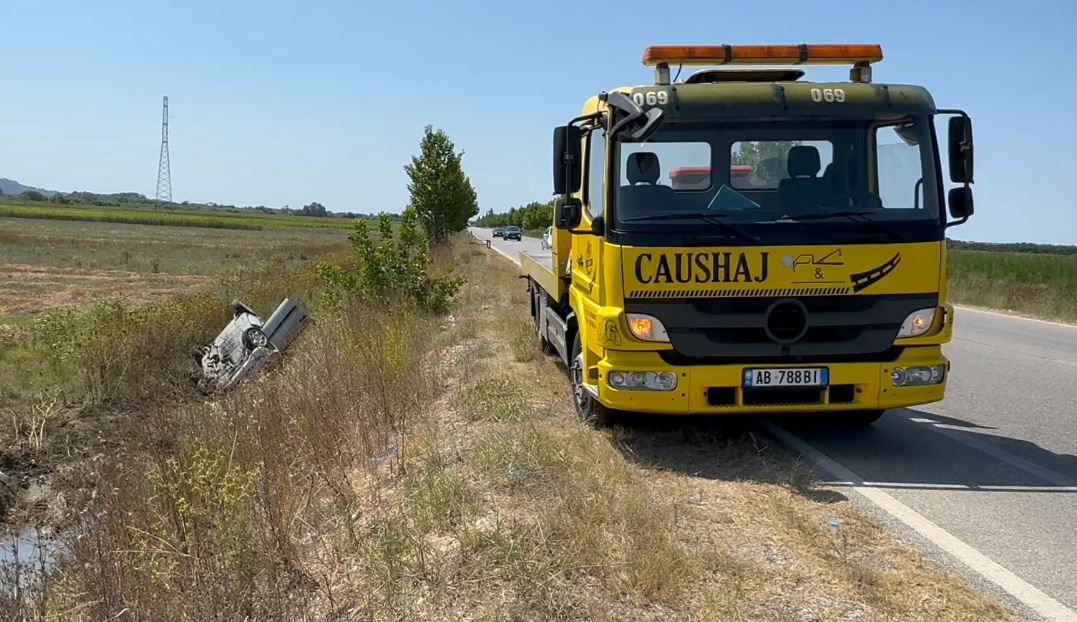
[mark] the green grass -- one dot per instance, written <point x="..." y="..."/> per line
<point x="168" y="217"/>
<point x="1033" y="284"/>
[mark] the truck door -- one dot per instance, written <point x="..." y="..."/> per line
<point x="587" y="249"/>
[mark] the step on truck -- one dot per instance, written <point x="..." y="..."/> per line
<point x="743" y="240"/>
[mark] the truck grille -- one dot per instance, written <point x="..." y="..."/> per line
<point x="726" y="330"/>
<point x="835" y="394"/>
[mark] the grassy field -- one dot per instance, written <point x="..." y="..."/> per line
<point x="250" y="220"/>
<point x="1039" y="285"/>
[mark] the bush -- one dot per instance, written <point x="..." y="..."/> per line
<point x="392" y="269"/>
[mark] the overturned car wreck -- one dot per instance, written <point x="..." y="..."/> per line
<point x="248" y="345"/>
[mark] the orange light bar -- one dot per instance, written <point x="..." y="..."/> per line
<point x="807" y="54"/>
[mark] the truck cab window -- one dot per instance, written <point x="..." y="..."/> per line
<point x="596" y="171"/>
<point x="764" y="164"/>
<point x="657" y="177"/>
<point x="898" y="166"/>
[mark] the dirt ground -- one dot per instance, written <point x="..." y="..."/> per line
<point x="27" y="289"/>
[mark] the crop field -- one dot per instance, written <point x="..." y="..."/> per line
<point x="170" y="217"/>
<point x="47" y="264"/>
<point x="1041" y="285"/>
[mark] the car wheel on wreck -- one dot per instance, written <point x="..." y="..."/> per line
<point x="254" y="338"/>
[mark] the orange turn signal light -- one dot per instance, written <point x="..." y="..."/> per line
<point x="805" y="54"/>
<point x="640" y="327"/>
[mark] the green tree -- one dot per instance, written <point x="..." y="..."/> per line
<point x="441" y="193"/>
<point x="767" y="159"/>
<point x="314" y="209"/>
<point x="390" y="267"/>
<point x="32" y="195"/>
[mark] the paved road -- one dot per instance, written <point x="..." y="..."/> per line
<point x="992" y="467"/>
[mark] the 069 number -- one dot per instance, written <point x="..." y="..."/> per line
<point x="830" y="96"/>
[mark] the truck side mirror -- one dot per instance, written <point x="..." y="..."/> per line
<point x="566" y="159"/>
<point x="569" y="213"/>
<point x="960" y="149"/>
<point x="960" y="203"/>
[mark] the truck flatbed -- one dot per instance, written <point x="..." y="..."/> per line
<point x="539" y="266"/>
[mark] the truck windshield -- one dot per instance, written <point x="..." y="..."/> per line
<point x="874" y="173"/>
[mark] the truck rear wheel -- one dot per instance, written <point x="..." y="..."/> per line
<point x="588" y="409"/>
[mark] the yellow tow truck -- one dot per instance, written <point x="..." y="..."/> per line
<point x="743" y="240"/>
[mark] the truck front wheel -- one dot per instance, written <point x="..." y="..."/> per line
<point x="588" y="409"/>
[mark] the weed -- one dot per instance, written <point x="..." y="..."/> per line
<point x="391" y="269"/>
<point x="28" y="428"/>
<point x="1042" y="285"/>
<point x="497" y="399"/>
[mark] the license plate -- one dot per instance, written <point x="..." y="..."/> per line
<point x="786" y="377"/>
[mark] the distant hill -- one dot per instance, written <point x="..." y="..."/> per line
<point x="11" y="187"/>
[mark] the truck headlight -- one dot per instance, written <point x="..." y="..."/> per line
<point x="646" y="327"/>
<point x="917" y="376"/>
<point x="918" y="323"/>
<point x="643" y="380"/>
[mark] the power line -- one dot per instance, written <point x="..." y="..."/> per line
<point x="164" y="170"/>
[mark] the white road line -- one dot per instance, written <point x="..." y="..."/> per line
<point x="1017" y="587"/>
<point x="515" y="260"/>
<point x="1013" y="317"/>
<point x="1014" y="351"/>
<point x="956" y="487"/>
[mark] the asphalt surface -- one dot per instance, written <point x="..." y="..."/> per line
<point x="993" y="465"/>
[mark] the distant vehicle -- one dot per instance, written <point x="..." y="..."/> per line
<point x="513" y="233"/>
<point x="547" y="238"/>
<point x="499" y="232"/>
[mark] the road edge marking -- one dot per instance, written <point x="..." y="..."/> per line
<point x="1013" y="316"/>
<point x="1015" y="586"/>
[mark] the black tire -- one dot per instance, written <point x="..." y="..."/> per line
<point x="588" y="409"/>
<point x="860" y="417"/>
<point x="253" y="337"/>
<point x="536" y="309"/>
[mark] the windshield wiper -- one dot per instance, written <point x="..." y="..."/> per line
<point x="825" y="215"/>
<point x="860" y="216"/>
<point x="708" y="217"/>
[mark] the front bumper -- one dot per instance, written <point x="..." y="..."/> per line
<point x="717" y="389"/>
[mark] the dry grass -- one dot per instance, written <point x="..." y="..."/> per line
<point x="406" y="468"/>
<point x="649" y="521"/>
<point x="240" y="508"/>
<point x="49" y="264"/>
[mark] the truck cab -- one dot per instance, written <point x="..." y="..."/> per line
<point x="744" y="240"/>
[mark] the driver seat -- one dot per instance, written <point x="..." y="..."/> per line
<point x="644" y="196"/>
<point x="803" y="191"/>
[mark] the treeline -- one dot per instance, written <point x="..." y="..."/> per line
<point x="134" y="199"/>
<point x="534" y="215"/>
<point x="84" y="198"/>
<point x="1013" y="247"/>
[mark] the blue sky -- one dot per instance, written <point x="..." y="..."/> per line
<point x="280" y="103"/>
